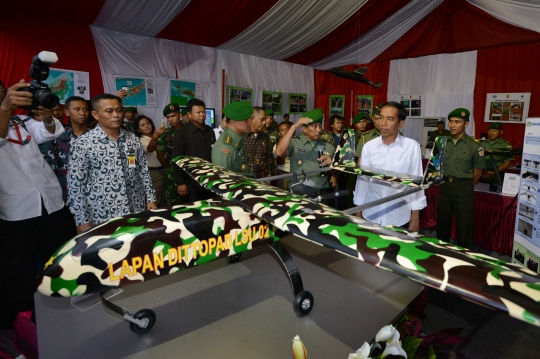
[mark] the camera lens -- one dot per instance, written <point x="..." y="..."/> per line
<point x="46" y="98"/>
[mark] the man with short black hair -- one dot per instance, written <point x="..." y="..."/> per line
<point x="129" y="120"/>
<point x="396" y="153"/>
<point x="193" y="139"/>
<point x="222" y="126"/>
<point x="108" y="174"/>
<point x="440" y="131"/>
<point x="463" y="165"/>
<point x="258" y="145"/>
<point x="57" y="155"/>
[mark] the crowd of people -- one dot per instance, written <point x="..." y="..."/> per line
<point x="107" y="161"/>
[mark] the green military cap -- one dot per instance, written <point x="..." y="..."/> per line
<point x="440" y="122"/>
<point x="170" y="108"/>
<point x="184" y="112"/>
<point x="315" y="115"/>
<point x="460" y="113"/>
<point x="377" y="109"/>
<point x="495" y="126"/>
<point x="268" y="112"/>
<point x="238" y="111"/>
<point x="360" y="116"/>
<point x="131" y="109"/>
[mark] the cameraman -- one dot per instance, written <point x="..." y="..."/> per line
<point x="34" y="222"/>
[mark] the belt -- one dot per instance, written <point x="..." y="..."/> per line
<point x="454" y="179"/>
<point x="155" y="168"/>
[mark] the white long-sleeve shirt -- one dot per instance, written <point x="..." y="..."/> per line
<point x="25" y="177"/>
<point x="402" y="156"/>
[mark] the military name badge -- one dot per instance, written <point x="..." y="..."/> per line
<point x="131" y="161"/>
<point x="481" y="151"/>
<point x="225" y="151"/>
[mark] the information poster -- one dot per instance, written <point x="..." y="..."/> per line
<point x="364" y="103"/>
<point x="413" y="104"/>
<point x="507" y="107"/>
<point x="527" y="230"/>
<point x="182" y="91"/>
<point x="273" y="101"/>
<point x="141" y="91"/>
<point x="337" y="104"/>
<point x="297" y="103"/>
<point x="239" y="94"/>
<point x="67" y="83"/>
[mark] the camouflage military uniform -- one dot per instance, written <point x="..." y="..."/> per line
<point x="457" y="192"/>
<point x="229" y="152"/>
<point x="366" y="137"/>
<point x="165" y="144"/>
<point x="303" y="154"/>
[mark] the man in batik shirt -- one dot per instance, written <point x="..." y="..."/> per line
<point x="260" y="153"/>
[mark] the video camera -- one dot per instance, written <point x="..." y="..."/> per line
<point x="39" y="71"/>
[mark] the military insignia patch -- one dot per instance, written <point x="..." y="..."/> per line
<point x="225" y="151"/>
<point x="171" y="107"/>
<point x="243" y="167"/>
<point x="463" y="113"/>
<point x="481" y="151"/>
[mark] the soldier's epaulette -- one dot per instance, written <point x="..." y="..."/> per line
<point x="476" y="140"/>
<point x="297" y="137"/>
<point x="510" y="143"/>
<point x="228" y="140"/>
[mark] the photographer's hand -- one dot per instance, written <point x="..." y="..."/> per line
<point x="13" y="100"/>
<point x="46" y="118"/>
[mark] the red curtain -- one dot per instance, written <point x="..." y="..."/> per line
<point x="507" y="69"/>
<point x="369" y="16"/>
<point x="212" y="23"/>
<point x="456" y="26"/>
<point x="327" y="84"/>
<point x="22" y="37"/>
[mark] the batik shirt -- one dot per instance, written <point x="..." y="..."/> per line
<point x="102" y="184"/>
<point x="57" y="157"/>
<point x="259" y="154"/>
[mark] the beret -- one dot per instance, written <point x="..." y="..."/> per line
<point x="377" y="109"/>
<point x="360" y="116"/>
<point x="132" y="109"/>
<point x="440" y="122"/>
<point x="268" y="112"/>
<point x="238" y="111"/>
<point x="184" y="112"/>
<point x="460" y="113"/>
<point x="315" y="115"/>
<point x="170" y="108"/>
<point x="495" y="126"/>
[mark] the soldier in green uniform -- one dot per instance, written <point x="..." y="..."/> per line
<point x="271" y="127"/>
<point x="463" y="165"/>
<point x="185" y="118"/>
<point x="164" y="152"/>
<point x="229" y="151"/>
<point x="441" y="131"/>
<point x="303" y="151"/>
<point x="371" y="134"/>
<point x="360" y="126"/>
<point x="497" y="144"/>
<point x="129" y="120"/>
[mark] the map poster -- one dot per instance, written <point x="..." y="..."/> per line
<point x="272" y="100"/>
<point x="182" y="91"/>
<point x="141" y="91"/>
<point x="297" y="102"/>
<point x="526" y="249"/>
<point x="507" y="107"/>
<point x="239" y="94"/>
<point x="67" y="83"/>
<point x="337" y="104"/>
<point x="364" y="103"/>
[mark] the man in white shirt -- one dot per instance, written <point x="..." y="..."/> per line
<point x="391" y="152"/>
<point x="34" y="222"/>
<point x="224" y="123"/>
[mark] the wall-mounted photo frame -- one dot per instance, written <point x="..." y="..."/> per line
<point x="413" y="104"/>
<point x="364" y="103"/>
<point x="241" y="94"/>
<point x="337" y="105"/>
<point x="507" y="107"/>
<point x="273" y="100"/>
<point x="297" y="103"/>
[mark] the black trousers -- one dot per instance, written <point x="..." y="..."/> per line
<point x="22" y="245"/>
<point x="456" y="198"/>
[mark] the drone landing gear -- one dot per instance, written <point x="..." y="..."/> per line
<point x="303" y="300"/>
<point x="140" y="322"/>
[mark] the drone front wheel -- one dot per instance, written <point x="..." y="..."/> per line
<point x="303" y="303"/>
<point x="147" y="316"/>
